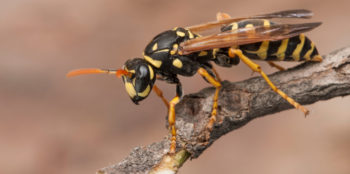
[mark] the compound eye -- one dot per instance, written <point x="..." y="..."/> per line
<point x="143" y="72"/>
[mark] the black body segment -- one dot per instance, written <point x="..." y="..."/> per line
<point x="162" y="54"/>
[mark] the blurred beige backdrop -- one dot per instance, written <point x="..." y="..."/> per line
<point x="51" y="124"/>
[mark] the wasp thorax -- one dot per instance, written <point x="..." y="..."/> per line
<point x="140" y="79"/>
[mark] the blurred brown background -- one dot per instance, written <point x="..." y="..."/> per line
<point x="51" y="124"/>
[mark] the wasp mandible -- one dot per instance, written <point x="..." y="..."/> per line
<point x="186" y="51"/>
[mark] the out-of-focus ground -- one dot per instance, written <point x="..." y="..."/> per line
<point x="51" y="124"/>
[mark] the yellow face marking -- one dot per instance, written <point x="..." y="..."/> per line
<point x="177" y="63"/>
<point x="134" y="81"/>
<point x="174" y="50"/>
<point x="151" y="72"/>
<point x="163" y="50"/>
<point x="262" y="51"/>
<point x="203" y="53"/>
<point x="297" y="50"/>
<point x="266" y="23"/>
<point x="175" y="28"/>
<point x="180" y="33"/>
<point x="156" y="63"/>
<point x="155" y="47"/>
<point x="282" y="49"/>
<point x="145" y="92"/>
<point x="308" y="53"/>
<point x="130" y="89"/>
<point x="131" y="71"/>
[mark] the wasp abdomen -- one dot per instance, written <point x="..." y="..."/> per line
<point x="297" y="48"/>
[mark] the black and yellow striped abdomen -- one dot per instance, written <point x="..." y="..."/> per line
<point x="297" y="48"/>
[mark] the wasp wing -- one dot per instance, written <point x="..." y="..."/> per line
<point x="243" y="36"/>
<point x="297" y="13"/>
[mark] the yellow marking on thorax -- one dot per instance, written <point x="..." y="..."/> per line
<point x="174" y="50"/>
<point x="280" y="54"/>
<point x="308" y="53"/>
<point x="151" y="72"/>
<point x="162" y="50"/>
<point x="134" y="81"/>
<point x="177" y="63"/>
<point x="156" y="63"/>
<point x="180" y="33"/>
<point x="297" y="50"/>
<point x="145" y="92"/>
<point x="262" y="51"/>
<point x="130" y="89"/>
<point x="155" y="47"/>
<point x="203" y="53"/>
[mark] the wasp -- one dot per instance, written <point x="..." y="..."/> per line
<point x="186" y="51"/>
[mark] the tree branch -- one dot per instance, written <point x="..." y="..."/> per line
<point x="239" y="103"/>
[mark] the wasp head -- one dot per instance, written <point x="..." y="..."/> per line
<point x="138" y="77"/>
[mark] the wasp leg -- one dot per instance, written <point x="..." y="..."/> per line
<point x="255" y="67"/>
<point x="171" y="117"/>
<point x="217" y="85"/>
<point x="160" y="94"/>
<point x="216" y="74"/>
<point x="273" y="64"/>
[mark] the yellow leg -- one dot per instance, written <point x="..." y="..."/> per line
<point x="273" y="64"/>
<point x="160" y="94"/>
<point x="255" y="67"/>
<point x="171" y="120"/>
<point x="217" y="84"/>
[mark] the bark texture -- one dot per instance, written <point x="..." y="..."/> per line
<point x="239" y="103"/>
